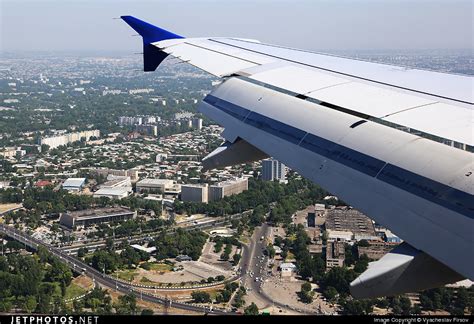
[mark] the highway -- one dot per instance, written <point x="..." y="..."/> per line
<point x="98" y="278"/>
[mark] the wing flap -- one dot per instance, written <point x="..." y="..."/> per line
<point x="404" y="269"/>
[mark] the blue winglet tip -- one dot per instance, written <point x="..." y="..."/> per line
<point x="149" y="32"/>
<point x="152" y="56"/>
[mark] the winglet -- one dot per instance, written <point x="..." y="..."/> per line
<point x="152" y="56"/>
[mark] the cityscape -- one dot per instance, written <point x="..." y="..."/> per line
<point x="105" y="207"/>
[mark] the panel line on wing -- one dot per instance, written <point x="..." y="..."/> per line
<point x="379" y="120"/>
<point x="222" y="53"/>
<point x="342" y="73"/>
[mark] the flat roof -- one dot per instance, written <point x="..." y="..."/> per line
<point x="230" y="182"/>
<point x="74" y="182"/>
<point x="154" y="181"/>
<point x="99" y="212"/>
<point x="112" y="191"/>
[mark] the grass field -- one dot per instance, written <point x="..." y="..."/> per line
<point x="159" y="267"/>
<point x="73" y="291"/>
<point x="127" y="275"/>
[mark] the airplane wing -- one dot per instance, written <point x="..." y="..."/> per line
<point x="394" y="142"/>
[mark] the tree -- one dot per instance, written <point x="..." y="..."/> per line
<point x="306" y="293"/>
<point x="236" y="258"/>
<point x="357" y="307"/>
<point x="147" y="312"/>
<point x="405" y="305"/>
<point x="340" y="279"/>
<point x="361" y="264"/>
<point x="330" y="293"/>
<point x="239" y="297"/>
<point x="270" y="251"/>
<point x="252" y="309"/>
<point x="201" y="297"/>
<point x="30" y="304"/>
<point x="127" y="305"/>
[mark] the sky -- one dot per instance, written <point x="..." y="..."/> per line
<point x="88" y="25"/>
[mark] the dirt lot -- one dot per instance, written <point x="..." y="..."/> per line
<point x="5" y="207"/>
<point x="210" y="257"/>
<point x="83" y="282"/>
<point x="192" y="271"/>
<point x="285" y="291"/>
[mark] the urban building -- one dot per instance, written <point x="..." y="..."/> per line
<point x="228" y="188"/>
<point x="129" y="121"/>
<point x="350" y="220"/>
<point x="158" y="185"/>
<point x="287" y="269"/>
<point x="150" y="119"/>
<point x="65" y="139"/>
<point x="74" y="184"/>
<point x="340" y="235"/>
<point x="12" y="152"/>
<point x="143" y="249"/>
<point x="335" y="254"/>
<point x="150" y="130"/>
<point x="376" y="249"/>
<point x="196" y="123"/>
<point x="160" y="157"/>
<point x="105" y="172"/>
<point x="181" y="258"/>
<point x="85" y="218"/>
<point x="273" y="170"/>
<point x="196" y="193"/>
<point x="114" y="181"/>
<point x="113" y="193"/>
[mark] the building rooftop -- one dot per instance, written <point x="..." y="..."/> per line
<point x="287" y="266"/>
<point x="349" y="220"/>
<point x="74" y="182"/>
<point x="144" y="249"/>
<point x="155" y="182"/>
<point x="99" y="212"/>
<point x="230" y="182"/>
<point x="113" y="191"/>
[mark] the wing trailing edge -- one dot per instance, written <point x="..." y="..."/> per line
<point x="152" y="56"/>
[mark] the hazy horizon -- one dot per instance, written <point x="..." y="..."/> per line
<point x="364" y="25"/>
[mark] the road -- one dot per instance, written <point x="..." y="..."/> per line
<point x="98" y="278"/>
<point x="256" y="266"/>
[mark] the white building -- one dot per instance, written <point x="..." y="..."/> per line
<point x="144" y="249"/>
<point x="273" y="170"/>
<point x="113" y="193"/>
<point x="74" y="184"/>
<point x="130" y="121"/>
<point x="287" y="269"/>
<point x="114" y="181"/>
<point x="55" y="141"/>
